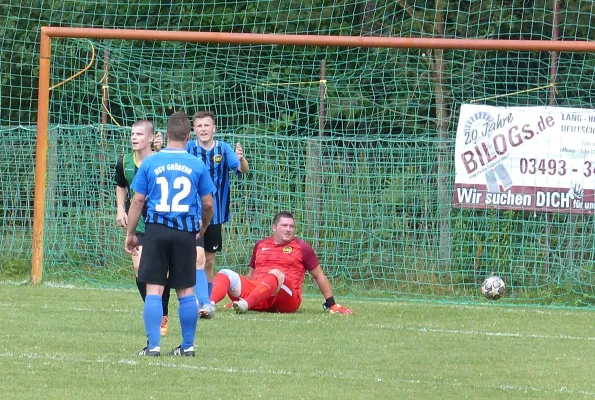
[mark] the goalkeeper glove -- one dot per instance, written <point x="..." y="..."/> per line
<point x="335" y="308"/>
<point x="339" y="309"/>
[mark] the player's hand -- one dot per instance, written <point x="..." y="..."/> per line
<point x="122" y="219"/>
<point x="131" y="244"/>
<point x="339" y="309"/>
<point x="201" y="233"/>
<point x="239" y="151"/>
<point x="158" y="141"/>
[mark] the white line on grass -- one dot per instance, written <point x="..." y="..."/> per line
<point x="479" y="333"/>
<point x="319" y="374"/>
<point x="282" y="319"/>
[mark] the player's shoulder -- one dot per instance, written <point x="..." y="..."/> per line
<point x="302" y="243"/>
<point x="224" y="145"/>
<point x="267" y="241"/>
<point x="191" y="144"/>
<point x="126" y="157"/>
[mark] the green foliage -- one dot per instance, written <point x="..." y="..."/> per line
<point x="15" y="268"/>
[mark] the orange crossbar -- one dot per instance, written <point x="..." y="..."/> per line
<point x="318" y="40"/>
<point x="235" y="38"/>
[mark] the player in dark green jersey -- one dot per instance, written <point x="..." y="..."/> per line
<point x="141" y="136"/>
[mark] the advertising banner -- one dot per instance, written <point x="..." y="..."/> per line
<point x="525" y="158"/>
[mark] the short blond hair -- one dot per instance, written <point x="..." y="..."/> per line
<point x="145" y="123"/>
<point x="203" y="114"/>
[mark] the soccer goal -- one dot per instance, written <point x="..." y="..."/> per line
<point x="362" y="138"/>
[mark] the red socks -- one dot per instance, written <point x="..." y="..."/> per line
<point x="263" y="290"/>
<point x="220" y="287"/>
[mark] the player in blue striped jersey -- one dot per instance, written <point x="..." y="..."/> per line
<point x="172" y="182"/>
<point x="220" y="159"/>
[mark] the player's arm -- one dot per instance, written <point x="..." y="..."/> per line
<point x="136" y="208"/>
<point x="243" y="167"/>
<point x="121" y="217"/>
<point x="121" y="193"/>
<point x="206" y="188"/>
<point x="140" y="187"/>
<point x="325" y="288"/>
<point x="158" y="142"/>
<point x="208" y="210"/>
<point x="252" y="264"/>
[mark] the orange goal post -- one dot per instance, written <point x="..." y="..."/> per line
<point x="435" y="45"/>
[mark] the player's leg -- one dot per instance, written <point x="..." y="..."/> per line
<point x="265" y="288"/>
<point x="182" y="277"/>
<point x="164" y="327"/>
<point x="213" y="245"/>
<point x="207" y="310"/>
<point x="153" y="272"/>
<point x="228" y="282"/>
<point x="141" y="286"/>
<point x="165" y="306"/>
<point x="287" y="300"/>
<point x="210" y="269"/>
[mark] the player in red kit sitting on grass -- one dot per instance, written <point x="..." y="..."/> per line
<point x="277" y="269"/>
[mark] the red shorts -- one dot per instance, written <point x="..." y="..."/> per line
<point x="287" y="300"/>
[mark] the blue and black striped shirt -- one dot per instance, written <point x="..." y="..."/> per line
<point x="219" y="161"/>
<point x="173" y="182"/>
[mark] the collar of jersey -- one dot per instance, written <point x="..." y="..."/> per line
<point x="136" y="163"/>
<point x="167" y="150"/>
<point x="215" y="144"/>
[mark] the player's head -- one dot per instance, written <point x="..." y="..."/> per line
<point x="283" y="227"/>
<point x="178" y="127"/>
<point x="203" y="123"/>
<point x="142" y="134"/>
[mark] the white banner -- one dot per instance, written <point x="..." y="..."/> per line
<point x="525" y="158"/>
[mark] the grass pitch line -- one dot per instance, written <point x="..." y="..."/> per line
<point x="320" y="374"/>
<point x="480" y="333"/>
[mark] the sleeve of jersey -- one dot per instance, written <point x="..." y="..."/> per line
<point x="232" y="160"/>
<point x="253" y="258"/>
<point x="140" y="182"/>
<point x="205" y="183"/>
<point x="120" y="178"/>
<point x="309" y="257"/>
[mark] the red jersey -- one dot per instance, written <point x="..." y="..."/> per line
<point x="293" y="259"/>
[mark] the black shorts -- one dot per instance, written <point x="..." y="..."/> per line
<point x="168" y="250"/>
<point x="213" y="239"/>
<point x="200" y="242"/>
<point x="141" y="238"/>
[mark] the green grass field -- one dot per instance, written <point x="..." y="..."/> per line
<point x="65" y="343"/>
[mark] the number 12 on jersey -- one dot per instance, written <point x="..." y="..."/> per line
<point x="182" y="185"/>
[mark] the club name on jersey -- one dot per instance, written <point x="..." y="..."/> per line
<point x="173" y="167"/>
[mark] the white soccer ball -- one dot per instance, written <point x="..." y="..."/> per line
<point x="493" y="288"/>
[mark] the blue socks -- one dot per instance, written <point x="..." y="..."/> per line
<point x="152" y="315"/>
<point x="201" y="289"/>
<point x="210" y="288"/>
<point x="188" y="313"/>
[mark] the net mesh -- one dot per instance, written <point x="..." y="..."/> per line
<point x="371" y="186"/>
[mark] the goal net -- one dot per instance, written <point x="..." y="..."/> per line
<point x="359" y="143"/>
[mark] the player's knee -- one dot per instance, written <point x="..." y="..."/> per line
<point x="200" y="258"/>
<point x="209" y="264"/>
<point x="234" y="278"/>
<point x="280" y="276"/>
